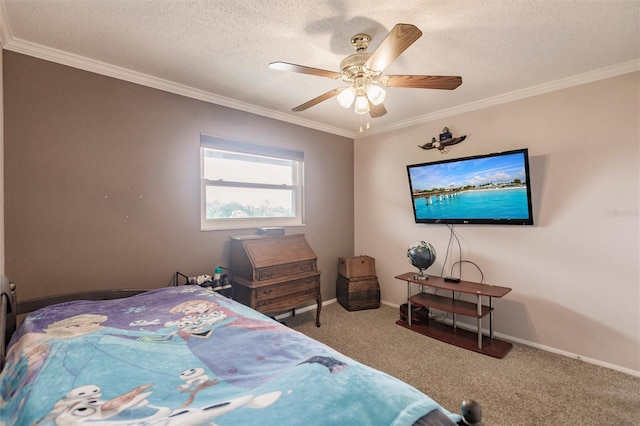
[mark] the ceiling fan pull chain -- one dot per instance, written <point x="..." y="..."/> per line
<point x="367" y="126"/>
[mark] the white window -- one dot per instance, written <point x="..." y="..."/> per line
<point x="245" y="185"/>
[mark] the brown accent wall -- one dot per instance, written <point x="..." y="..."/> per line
<point x="102" y="184"/>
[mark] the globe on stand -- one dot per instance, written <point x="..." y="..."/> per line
<point x="421" y="255"/>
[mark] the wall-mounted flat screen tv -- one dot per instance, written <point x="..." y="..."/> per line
<point x="482" y="189"/>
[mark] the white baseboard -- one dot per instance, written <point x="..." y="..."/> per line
<point x="501" y="336"/>
<point x="541" y="347"/>
<point x="305" y="309"/>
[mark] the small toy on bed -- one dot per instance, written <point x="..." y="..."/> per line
<point x="202" y="280"/>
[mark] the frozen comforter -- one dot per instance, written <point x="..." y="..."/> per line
<point x="189" y="356"/>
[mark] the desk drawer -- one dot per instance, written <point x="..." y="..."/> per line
<point x="286" y="302"/>
<point x="284" y="270"/>
<point x="309" y="284"/>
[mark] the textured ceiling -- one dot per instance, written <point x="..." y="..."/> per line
<point x="219" y="50"/>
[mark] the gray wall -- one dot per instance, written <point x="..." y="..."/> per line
<point x="102" y="184"/>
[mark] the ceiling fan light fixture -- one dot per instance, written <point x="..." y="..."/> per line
<point x="376" y="94"/>
<point x="363" y="73"/>
<point x="346" y="97"/>
<point x="362" y="105"/>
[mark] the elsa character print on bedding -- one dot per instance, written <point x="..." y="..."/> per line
<point x="186" y="355"/>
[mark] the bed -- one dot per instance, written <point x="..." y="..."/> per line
<point x="185" y="355"/>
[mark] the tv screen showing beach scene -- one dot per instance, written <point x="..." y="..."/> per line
<point x="483" y="189"/>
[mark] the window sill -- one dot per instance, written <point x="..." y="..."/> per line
<point x="227" y="225"/>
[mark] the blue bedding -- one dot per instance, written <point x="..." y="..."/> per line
<point x="189" y="356"/>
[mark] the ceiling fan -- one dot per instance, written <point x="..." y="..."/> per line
<point x="364" y="73"/>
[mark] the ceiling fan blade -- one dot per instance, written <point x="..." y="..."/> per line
<point x="444" y="82"/>
<point x="376" y="111"/>
<point x="284" y="66"/>
<point x="330" y="94"/>
<point x="397" y="41"/>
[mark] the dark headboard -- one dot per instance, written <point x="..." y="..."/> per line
<point x="10" y="307"/>
<point x="8" y="312"/>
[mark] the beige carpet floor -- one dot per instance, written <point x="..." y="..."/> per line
<point x="528" y="387"/>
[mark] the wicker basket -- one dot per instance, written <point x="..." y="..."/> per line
<point x="359" y="293"/>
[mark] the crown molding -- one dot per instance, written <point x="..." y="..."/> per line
<point x="76" y="61"/>
<point x="5" y="28"/>
<point x="103" y="68"/>
<point x="576" y="80"/>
